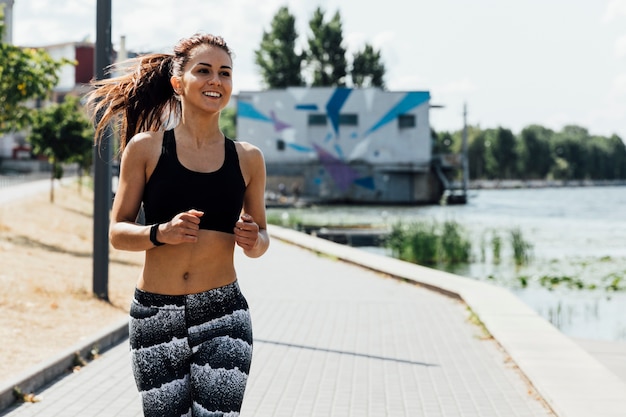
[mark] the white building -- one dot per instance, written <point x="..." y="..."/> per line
<point x="342" y="144"/>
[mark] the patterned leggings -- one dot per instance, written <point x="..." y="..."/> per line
<point x="191" y="354"/>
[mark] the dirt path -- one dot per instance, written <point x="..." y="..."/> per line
<point x="46" y="269"/>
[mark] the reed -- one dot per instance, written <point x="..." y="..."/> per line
<point x="284" y="219"/>
<point x="396" y="240"/>
<point x="428" y="243"/>
<point x="423" y="242"/>
<point x="521" y="247"/>
<point x="496" y="247"/>
<point x="454" y="246"/>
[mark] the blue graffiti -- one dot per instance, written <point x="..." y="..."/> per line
<point x="409" y="102"/>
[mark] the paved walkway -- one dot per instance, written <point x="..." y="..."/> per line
<point x="334" y="339"/>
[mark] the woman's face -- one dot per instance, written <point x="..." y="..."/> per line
<point x="206" y="82"/>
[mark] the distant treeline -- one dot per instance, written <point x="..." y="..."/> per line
<point x="537" y="153"/>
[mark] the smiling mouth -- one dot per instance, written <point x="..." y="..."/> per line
<point x="212" y="94"/>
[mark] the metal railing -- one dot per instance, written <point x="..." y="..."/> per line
<point x="7" y="180"/>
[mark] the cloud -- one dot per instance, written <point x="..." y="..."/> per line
<point x="44" y="22"/>
<point x="382" y="39"/>
<point x="406" y="82"/>
<point x="620" y="46"/>
<point x="462" y="86"/>
<point x="614" y="10"/>
<point x="355" y="41"/>
<point x="607" y="117"/>
<point x="618" y="88"/>
<point x="557" y="120"/>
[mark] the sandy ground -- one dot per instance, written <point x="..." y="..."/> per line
<point x="46" y="270"/>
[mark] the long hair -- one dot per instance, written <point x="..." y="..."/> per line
<point x="142" y="98"/>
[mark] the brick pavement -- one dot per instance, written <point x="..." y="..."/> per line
<point x="334" y="339"/>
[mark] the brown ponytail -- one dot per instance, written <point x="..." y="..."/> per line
<point x="139" y="100"/>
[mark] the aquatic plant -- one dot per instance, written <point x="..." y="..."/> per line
<point x="284" y="219"/>
<point x="396" y="239"/>
<point x="429" y="243"/>
<point x="615" y="282"/>
<point x="521" y="247"/>
<point x="423" y="243"/>
<point x="455" y="247"/>
<point x="496" y="247"/>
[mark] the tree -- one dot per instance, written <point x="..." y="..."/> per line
<point x="571" y="145"/>
<point x="504" y="152"/>
<point x="63" y="133"/>
<point x="618" y="157"/>
<point x="228" y="122"/>
<point x="534" y="156"/>
<point x="327" y="56"/>
<point x="367" y="68"/>
<point x="477" y="154"/>
<point x="26" y="74"/>
<point x="280" y="64"/>
<point x="443" y="142"/>
<point x="599" y="159"/>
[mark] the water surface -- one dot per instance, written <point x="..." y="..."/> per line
<point x="578" y="232"/>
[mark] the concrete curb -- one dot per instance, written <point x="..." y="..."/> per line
<point x="571" y="381"/>
<point x="48" y="371"/>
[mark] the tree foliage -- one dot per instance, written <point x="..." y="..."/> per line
<point x="503" y="153"/>
<point x="534" y="155"/>
<point x="63" y="133"/>
<point x="539" y="153"/>
<point x="327" y="55"/>
<point x="228" y="122"/>
<point x="276" y="57"/>
<point x="323" y="62"/>
<point x="26" y="74"/>
<point x="367" y="68"/>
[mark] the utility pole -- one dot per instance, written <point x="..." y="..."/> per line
<point x="102" y="161"/>
<point x="465" y="152"/>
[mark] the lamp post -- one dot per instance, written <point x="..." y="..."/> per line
<point x="8" y="20"/>
<point x="464" y="151"/>
<point x="102" y="160"/>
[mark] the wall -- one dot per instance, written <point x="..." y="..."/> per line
<point x="342" y="144"/>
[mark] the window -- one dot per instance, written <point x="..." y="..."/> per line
<point x="406" y="121"/>
<point x="349" y="119"/>
<point x="317" y="120"/>
<point x="280" y="144"/>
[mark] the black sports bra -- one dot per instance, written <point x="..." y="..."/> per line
<point x="173" y="189"/>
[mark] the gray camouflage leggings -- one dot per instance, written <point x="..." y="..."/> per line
<point x="191" y="354"/>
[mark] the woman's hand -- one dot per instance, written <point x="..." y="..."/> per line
<point x="183" y="228"/>
<point x="246" y="232"/>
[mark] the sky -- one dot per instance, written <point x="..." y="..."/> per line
<point x="511" y="63"/>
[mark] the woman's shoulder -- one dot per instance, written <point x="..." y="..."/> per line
<point x="251" y="159"/>
<point x="145" y="142"/>
<point x="144" y="147"/>
<point x="147" y="139"/>
<point x="247" y="149"/>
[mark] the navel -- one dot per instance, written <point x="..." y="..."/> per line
<point x="186" y="276"/>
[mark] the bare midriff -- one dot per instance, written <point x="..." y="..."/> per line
<point x="190" y="268"/>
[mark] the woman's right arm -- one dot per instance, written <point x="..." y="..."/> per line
<point x="138" y="156"/>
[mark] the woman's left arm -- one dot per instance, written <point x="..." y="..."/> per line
<point x="251" y="229"/>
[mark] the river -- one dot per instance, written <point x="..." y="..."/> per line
<point x="577" y="232"/>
